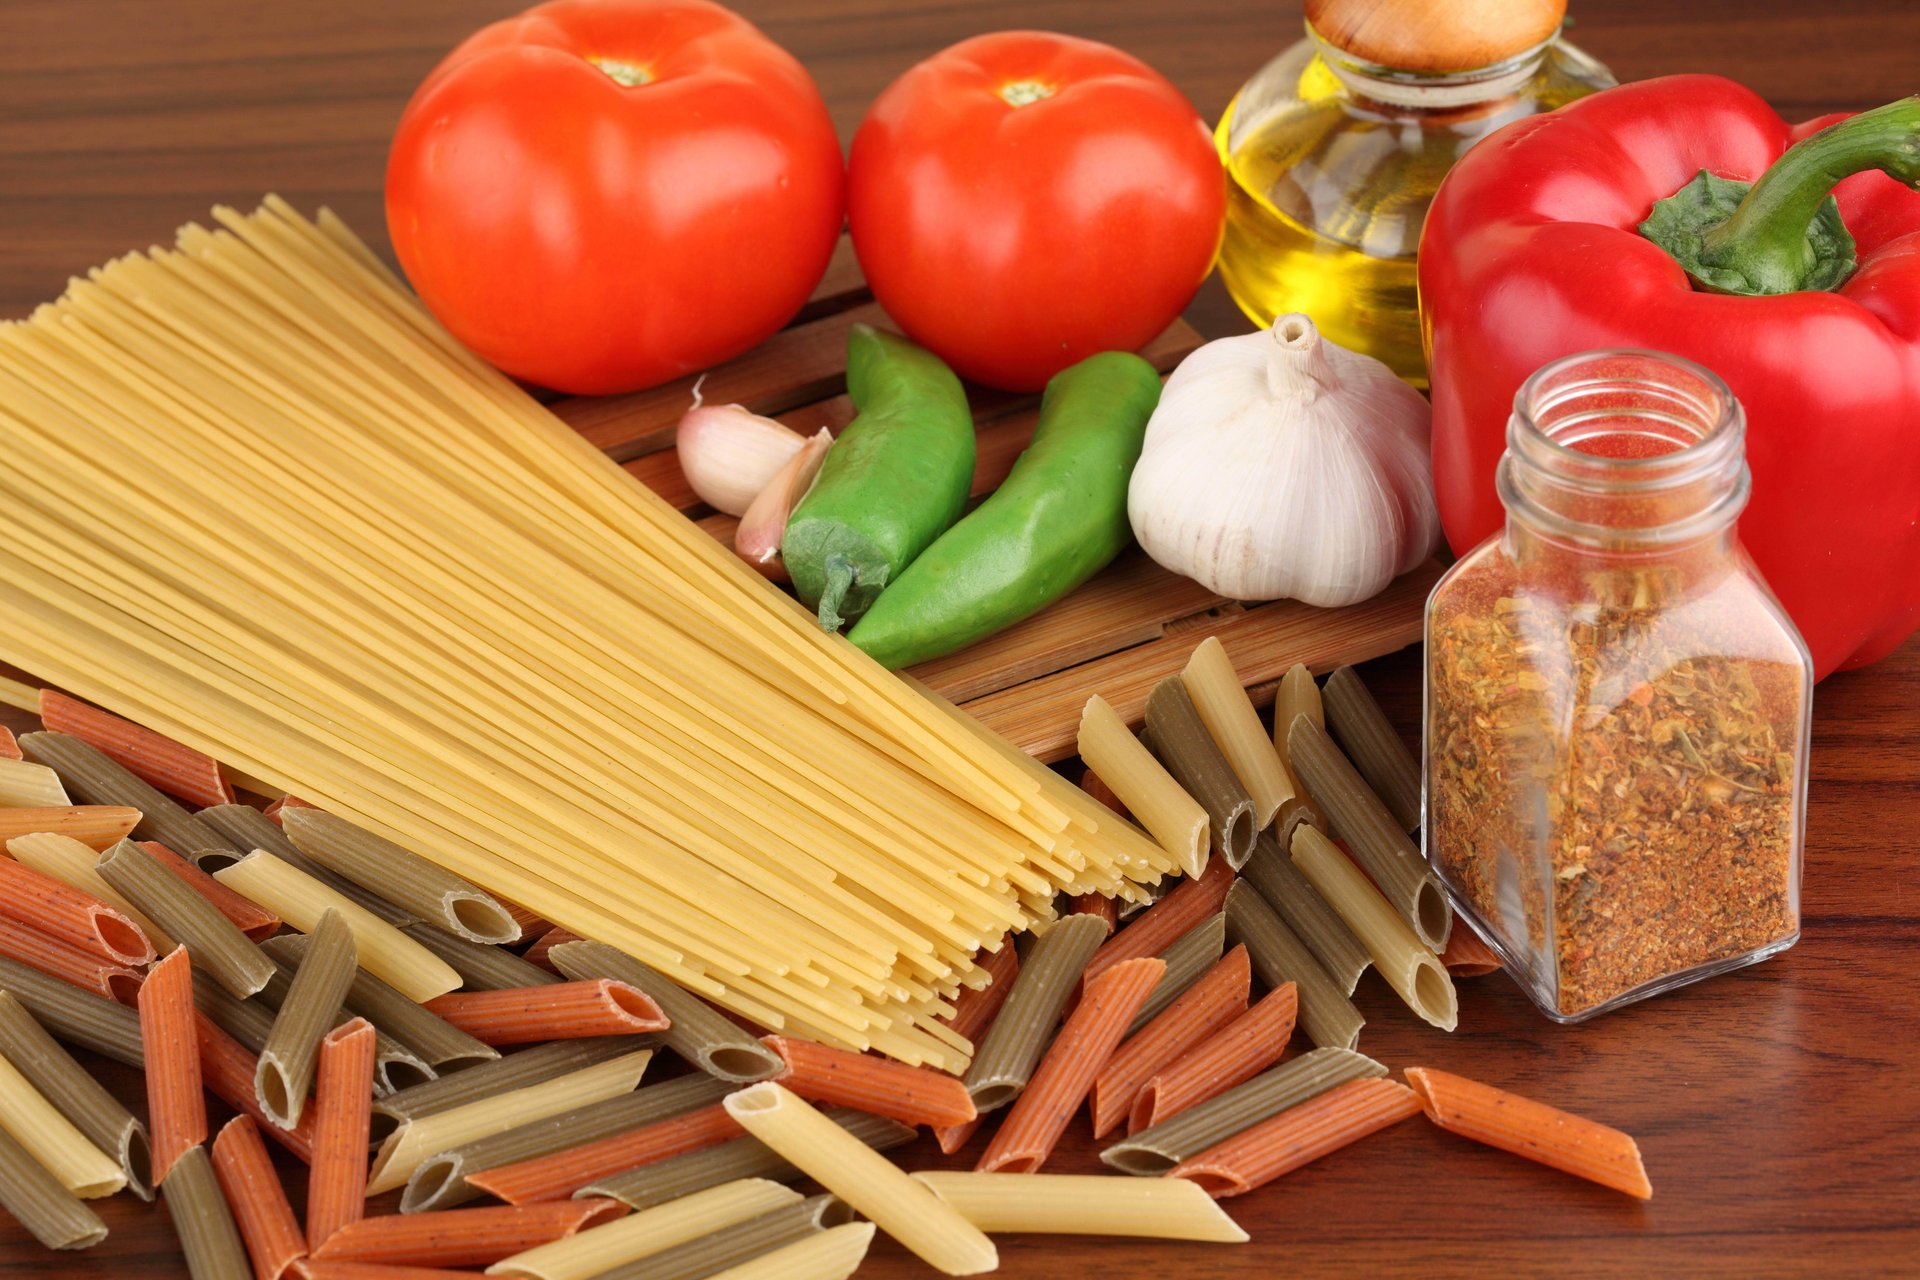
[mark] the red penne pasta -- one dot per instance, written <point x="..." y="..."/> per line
<point x="955" y="1136"/>
<point x="560" y="1011"/>
<point x="1166" y="921"/>
<point x="1094" y="785"/>
<point x="1204" y="1008"/>
<point x="97" y="826"/>
<point x="1298" y="1136"/>
<point x="258" y="1201"/>
<point x="1466" y="955"/>
<point x="553" y="937"/>
<point x="1097" y="904"/>
<point x="88" y="970"/>
<point x="174" y="768"/>
<point x="9" y="745"/>
<point x="248" y="916"/>
<point x="324" y="1269"/>
<point x="228" y="1071"/>
<point x="531" y="925"/>
<point x="66" y="914"/>
<point x="463" y="1237"/>
<point x="176" y="1109"/>
<point x="1558" y="1139"/>
<point x="1237" y="1053"/>
<point x="911" y="1095"/>
<point x="273" y="810"/>
<point x="559" y="1175"/>
<point x="975" y="1008"/>
<point x="1061" y="1081"/>
<point x="342" y="1125"/>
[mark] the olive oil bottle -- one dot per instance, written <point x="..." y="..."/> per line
<point x="1334" y="150"/>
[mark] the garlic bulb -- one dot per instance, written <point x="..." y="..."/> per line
<point x="730" y="454"/>
<point x="1282" y="466"/>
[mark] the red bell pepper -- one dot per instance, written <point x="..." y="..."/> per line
<point x="1534" y="249"/>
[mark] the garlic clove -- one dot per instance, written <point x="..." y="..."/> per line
<point x="730" y="454"/>
<point x="757" y="540"/>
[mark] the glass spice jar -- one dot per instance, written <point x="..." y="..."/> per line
<point x="1617" y="708"/>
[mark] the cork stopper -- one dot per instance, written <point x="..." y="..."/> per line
<point x="1419" y="35"/>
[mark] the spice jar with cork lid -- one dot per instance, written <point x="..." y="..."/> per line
<point x="1334" y="150"/>
<point x="1617" y="708"/>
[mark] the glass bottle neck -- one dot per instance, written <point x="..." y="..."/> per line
<point x="1446" y="91"/>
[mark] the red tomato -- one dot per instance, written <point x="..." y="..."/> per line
<point x="601" y="195"/>
<point x="1024" y="200"/>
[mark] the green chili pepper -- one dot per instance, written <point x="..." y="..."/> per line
<point x="1060" y="517"/>
<point x="896" y="478"/>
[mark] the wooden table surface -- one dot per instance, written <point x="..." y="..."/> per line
<point x="1778" y="1109"/>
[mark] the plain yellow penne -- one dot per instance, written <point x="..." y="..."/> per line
<point x="1228" y="713"/>
<point x="648" y="1232"/>
<point x="1141" y="783"/>
<point x="833" y="1254"/>
<point x="1085" y="1205"/>
<point x="26" y="785"/>
<point x="52" y="1139"/>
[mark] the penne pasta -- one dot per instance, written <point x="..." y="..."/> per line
<point x="53" y="1140"/>
<point x="96" y="826"/>
<point x="300" y="900"/>
<point x="258" y="1202"/>
<point x="311" y="1268"/>
<point x="872" y="1184"/>
<point x="747" y="1157"/>
<point x="1415" y="973"/>
<point x="1104" y="906"/>
<point x="532" y="924"/>
<point x="1139" y="782"/>
<point x="539" y="954"/>
<point x="273" y="810"/>
<point x="559" y="1011"/>
<point x="425" y="890"/>
<point x="175" y="1106"/>
<point x="1065" y="1075"/>
<point x="737" y="1244"/>
<point x="1150" y="933"/>
<point x="514" y="1071"/>
<point x="220" y="950"/>
<point x="595" y="1251"/>
<point x="1300" y="1135"/>
<point x="208" y="1235"/>
<point x="437" y="1044"/>
<point x="1161" y="1147"/>
<point x="25" y="785"/>
<point x="78" y="1017"/>
<point x="1301" y="908"/>
<point x="52" y="1214"/>
<point x="1370" y="741"/>
<point x="697" y="1032"/>
<point x="1547" y="1135"/>
<point x="251" y="1021"/>
<point x="337" y="1185"/>
<point x="73" y="863"/>
<point x="1177" y="735"/>
<point x="1204" y="1008"/>
<point x="244" y="828"/>
<point x="1377" y="842"/>
<point x="833" y="1254"/>
<point x="88" y="970"/>
<point x="1467" y="954"/>
<point x="1228" y="713"/>
<point x="1233" y="1054"/>
<point x="152" y="757"/>
<point x="9" y="745"/>
<point x="461" y="1237"/>
<point x="1195" y="952"/>
<point x="227" y="1069"/>
<point x="1011" y="1048"/>
<point x="1084" y="1205"/>
<point x="911" y="1095"/>
<point x="1297" y="695"/>
<point x="307" y="1012"/>
<point x="49" y="904"/>
<point x="97" y="781"/>
<point x="1326" y="1014"/>
<point x="74" y="1093"/>
<point x="418" y="1138"/>
<point x="250" y="918"/>
<point x="551" y="1159"/>
<point x="481" y="967"/>
<point x="974" y="1008"/>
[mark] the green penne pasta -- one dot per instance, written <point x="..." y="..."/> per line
<point x="311" y="1009"/>
<point x="433" y="894"/>
<point x="699" y="1034"/>
<point x="482" y="967"/>
<point x="208" y="1236"/>
<point x="395" y="1066"/>
<point x="670" y="1179"/>
<point x="1192" y="954"/>
<point x="74" y="1092"/>
<point x="92" y="1022"/>
<point x="247" y="829"/>
<point x="1294" y="899"/>
<point x="53" y="1215"/>
<point x="1278" y="956"/>
<point x="430" y="1038"/>
<point x="1159" y="1148"/>
<point x="92" y="778"/>
<point x="1006" y="1056"/>
<point x="218" y="947"/>
<point x="1366" y="735"/>
<point x="1178" y="736"/>
<point x="712" y="1254"/>
<point x="514" y="1071"/>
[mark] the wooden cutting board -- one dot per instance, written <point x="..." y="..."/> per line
<point x="1118" y="635"/>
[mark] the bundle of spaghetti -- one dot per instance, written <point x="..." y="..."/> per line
<point x="302" y="530"/>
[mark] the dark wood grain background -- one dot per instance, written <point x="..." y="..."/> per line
<point x="1778" y="1109"/>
